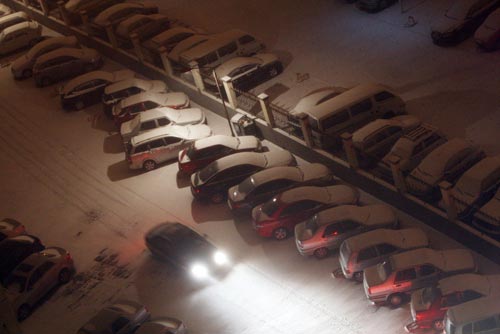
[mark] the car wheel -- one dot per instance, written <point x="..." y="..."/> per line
<point x="27" y="73"/>
<point x="64" y="276"/>
<point x="280" y="233"/>
<point x="46" y="81"/>
<point x="23" y="312"/>
<point x="321" y="253"/>
<point x="217" y="198"/>
<point x="79" y="105"/>
<point x="273" y="72"/>
<point x="438" y="325"/>
<point x="358" y="276"/>
<point x="395" y="299"/>
<point x="149" y="165"/>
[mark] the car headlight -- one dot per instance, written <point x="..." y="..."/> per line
<point x="199" y="271"/>
<point x="221" y="258"/>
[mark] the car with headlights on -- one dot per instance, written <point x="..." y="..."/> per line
<point x="86" y="89"/>
<point x="129" y="107"/>
<point x="460" y="20"/>
<point x="22" y="67"/>
<point x="393" y="280"/>
<point x="487" y="36"/>
<point x="324" y="231"/>
<point x="35" y="277"/>
<point x="186" y="249"/>
<point x="213" y="181"/>
<point x="278" y="216"/>
<point x="261" y="186"/>
<point x="10" y="228"/>
<point x="19" y="36"/>
<point x="202" y="152"/>
<point x="162" y="325"/>
<point x="429" y="305"/>
<point x="159" y="117"/>
<point x="14" y="250"/>
<point x="121" y="317"/>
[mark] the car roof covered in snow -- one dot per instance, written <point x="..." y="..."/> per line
<point x="295" y="173"/>
<point x="437" y="159"/>
<point x="341" y="194"/>
<point x="376" y="214"/>
<point x="473" y="310"/>
<point x="161" y="98"/>
<point x="228" y="66"/>
<point x="405" y="121"/>
<point x="95" y="75"/>
<point x="315" y="98"/>
<point x="144" y="85"/>
<point x="73" y="52"/>
<point x="471" y="180"/>
<point x="167" y="34"/>
<point x="404" y="239"/>
<point x="263" y="160"/>
<point x="487" y="285"/>
<point x="188" y="132"/>
<point x="446" y="260"/>
<point x="103" y="17"/>
<point x="236" y="143"/>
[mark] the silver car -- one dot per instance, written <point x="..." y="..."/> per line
<point x="33" y="278"/>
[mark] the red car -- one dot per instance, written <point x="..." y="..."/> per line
<point x="202" y="152"/>
<point x="278" y="216"/>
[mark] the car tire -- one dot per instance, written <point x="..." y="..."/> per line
<point x="321" y="253"/>
<point x="149" y="165"/>
<point x="395" y="300"/>
<point x="27" y="73"/>
<point x="64" y="276"/>
<point x="280" y="233"/>
<point x="358" y="276"/>
<point x="79" y="105"/>
<point x="23" y="312"/>
<point x="217" y="198"/>
<point x="438" y="325"/>
<point x="45" y="81"/>
<point x="273" y="72"/>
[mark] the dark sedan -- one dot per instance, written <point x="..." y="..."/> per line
<point x="14" y="250"/>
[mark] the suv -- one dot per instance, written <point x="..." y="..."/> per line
<point x="394" y="279"/>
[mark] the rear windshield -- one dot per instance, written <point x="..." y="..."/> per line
<point x="270" y="207"/>
<point x="384" y="270"/>
<point x="15" y="283"/>
<point x="246" y="186"/>
<point x="430" y="294"/>
<point x="207" y="172"/>
<point x="312" y="224"/>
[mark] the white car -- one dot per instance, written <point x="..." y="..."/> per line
<point x="4" y="10"/>
<point x="315" y="98"/>
<point x="13" y="19"/>
<point x="186" y="45"/>
<point x="19" y="36"/>
<point x="10" y="228"/>
<point x="119" y="12"/>
<point x="159" y="117"/>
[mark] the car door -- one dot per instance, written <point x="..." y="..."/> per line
<point x="330" y="235"/>
<point x="146" y="126"/>
<point x="403" y="280"/>
<point x="66" y="67"/>
<point x="158" y="150"/>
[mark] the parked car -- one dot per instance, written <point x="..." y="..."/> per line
<point x="185" y="248"/>
<point x="162" y="325"/>
<point x="477" y="186"/>
<point x="168" y="38"/>
<point x="202" y="152"/>
<point x="213" y="181"/>
<point x="478" y="316"/>
<point x="122" y="317"/>
<point x="373" y="6"/>
<point x="129" y="107"/>
<point x="64" y="63"/>
<point x="159" y="117"/>
<point x="116" y="92"/>
<point x="185" y="45"/>
<point x="393" y="280"/>
<point x="369" y="248"/>
<point x="115" y="14"/>
<point x="487" y="218"/>
<point x="460" y="20"/>
<point x="144" y="26"/>
<point x="87" y="89"/>
<point x="375" y="139"/>
<point x="445" y="163"/>
<point x="15" y="250"/>
<point x="429" y="305"/>
<point x="315" y="98"/>
<point x="151" y="148"/>
<point x="13" y="19"/>
<point x="487" y="36"/>
<point x="10" y="228"/>
<point x="324" y="231"/>
<point x="261" y="186"/>
<point x="414" y="146"/>
<point x="73" y="8"/>
<point x="278" y="216"/>
<point x="36" y="276"/>
<point x="22" y="67"/>
<point x="19" y="36"/>
<point x="4" y="10"/>
<point x="247" y="72"/>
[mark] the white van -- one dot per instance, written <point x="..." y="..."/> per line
<point x="479" y="316"/>
<point x="221" y="47"/>
<point x="349" y="111"/>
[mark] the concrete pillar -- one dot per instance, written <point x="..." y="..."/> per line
<point x="167" y="65"/>
<point x="352" y="156"/>
<point x="86" y="22"/>
<point x="64" y="13"/>
<point x="111" y="35"/>
<point x="137" y="46"/>
<point x="230" y="93"/>
<point x="266" y="109"/>
<point x="44" y="6"/>
<point x="198" y="80"/>
<point x="306" y="129"/>
<point x="397" y="174"/>
<point x="449" y="200"/>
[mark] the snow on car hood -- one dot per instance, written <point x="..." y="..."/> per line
<point x="186" y="116"/>
<point x="444" y="25"/>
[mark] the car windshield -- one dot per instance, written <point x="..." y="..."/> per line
<point x="429" y="295"/>
<point x="135" y="122"/>
<point x="312" y="224"/>
<point x="384" y="270"/>
<point x="15" y="283"/>
<point x="458" y="10"/>
<point x="191" y="151"/>
<point x="246" y="186"/>
<point x="207" y="172"/>
<point x="270" y="207"/>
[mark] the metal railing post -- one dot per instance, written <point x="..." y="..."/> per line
<point x="167" y="65"/>
<point x="352" y="156"/>
<point x="111" y="35"/>
<point x="397" y="173"/>
<point x="44" y="6"/>
<point x="266" y="109"/>
<point x="137" y="46"/>
<point x="227" y="82"/>
<point x="64" y="13"/>
<point x="306" y="129"/>
<point x="449" y="200"/>
<point x="198" y="80"/>
<point x="86" y="22"/>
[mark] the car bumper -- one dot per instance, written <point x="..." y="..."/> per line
<point x="263" y="231"/>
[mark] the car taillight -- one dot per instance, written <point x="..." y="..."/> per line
<point x="176" y="107"/>
<point x="68" y="257"/>
<point x="419" y="317"/>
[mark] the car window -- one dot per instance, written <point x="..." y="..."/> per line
<point x="208" y="59"/>
<point x="336" y="119"/>
<point x="299" y="207"/>
<point x="382" y="96"/>
<point x="427" y="270"/>
<point x="172" y="140"/>
<point x="84" y="86"/>
<point x="331" y="230"/>
<point x="135" y="108"/>
<point x="209" y="151"/>
<point x="389" y="131"/>
<point x="227" y="49"/>
<point x="62" y="60"/>
<point x="163" y="121"/>
<point x="367" y="253"/>
<point x="150" y="105"/>
<point x="347" y="225"/>
<point x="141" y="148"/>
<point x="418" y="148"/>
<point x="386" y="249"/>
<point x="405" y="275"/>
<point x="273" y="186"/>
<point x="156" y="143"/>
<point x="119" y="323"/>
<point x="431" y="139"/>
<point x="242" y="69"/>
<point x="469" y="295"/>
<point x="361" y="107"/>
<point x="148" y="125"/>
<point x="467" y="329"/>
<point x="246" y="39"/>
<point x="484" y="325"/>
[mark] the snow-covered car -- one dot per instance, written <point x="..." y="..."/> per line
<point x="376" y="138"/>
<point x="127" y="108"/>
<point x="460" y="20"/>
<point x="87" y="89"/>
<point x="162" y="325"/>
<point x="10" y="228"/>
<point x="263" y="185"/>
<point x="73" y="8"/>
<point x="247" y="72"/>
<point x="36" y="276"/>
<point x="151" y="148"/>
<point x="394" y="279"/>
<point x="429" y="305"/>
<point x="487" y="218"/>
<point x="160" y="117"/>
<point x="367" y="249"/>
<point x="168" y="38"/>
<point x="445" y="163"/>
<point x="213" y="181"/>
<point x="480" y="314"/>
<point x="65" y="63"/>
<point x="113" y="15"/>
<point x="185" y="248"/>
<point x="19" y="36"/>
<point x="477" y="186"/>
<point x="278" y="216"/>
<point x="327" y="229"/>
<point x="116" y="92"/>
<point x="122" y="317"/>
<point x="202" y="152"/>
<point x="22" y="67"/>
<point x="185" y="45"/>
<point x="373" y="6"/>
<point x="4" y="10"/>
<point x="144" y="26"/>
<point x="13" y="19"/>
<point x="414" y="146"/>
<point x="487" y="36"/>
<point x="14" y="250"/>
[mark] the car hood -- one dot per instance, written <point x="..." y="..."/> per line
<point x="158" y="87"/>
<point x="371" y="277"/>
<point x="280" y="158"/>
<point x="126" y="128"/>
<point x="444" y="25"/>
<point x="176" y="99"/>
<point x="426" y="178"/>
<point x="186" y="116"/>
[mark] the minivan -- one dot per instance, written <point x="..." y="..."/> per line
<point x="19" y="36"/>
<point x="349" y="111"/>
<point x="480" y="316"/>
